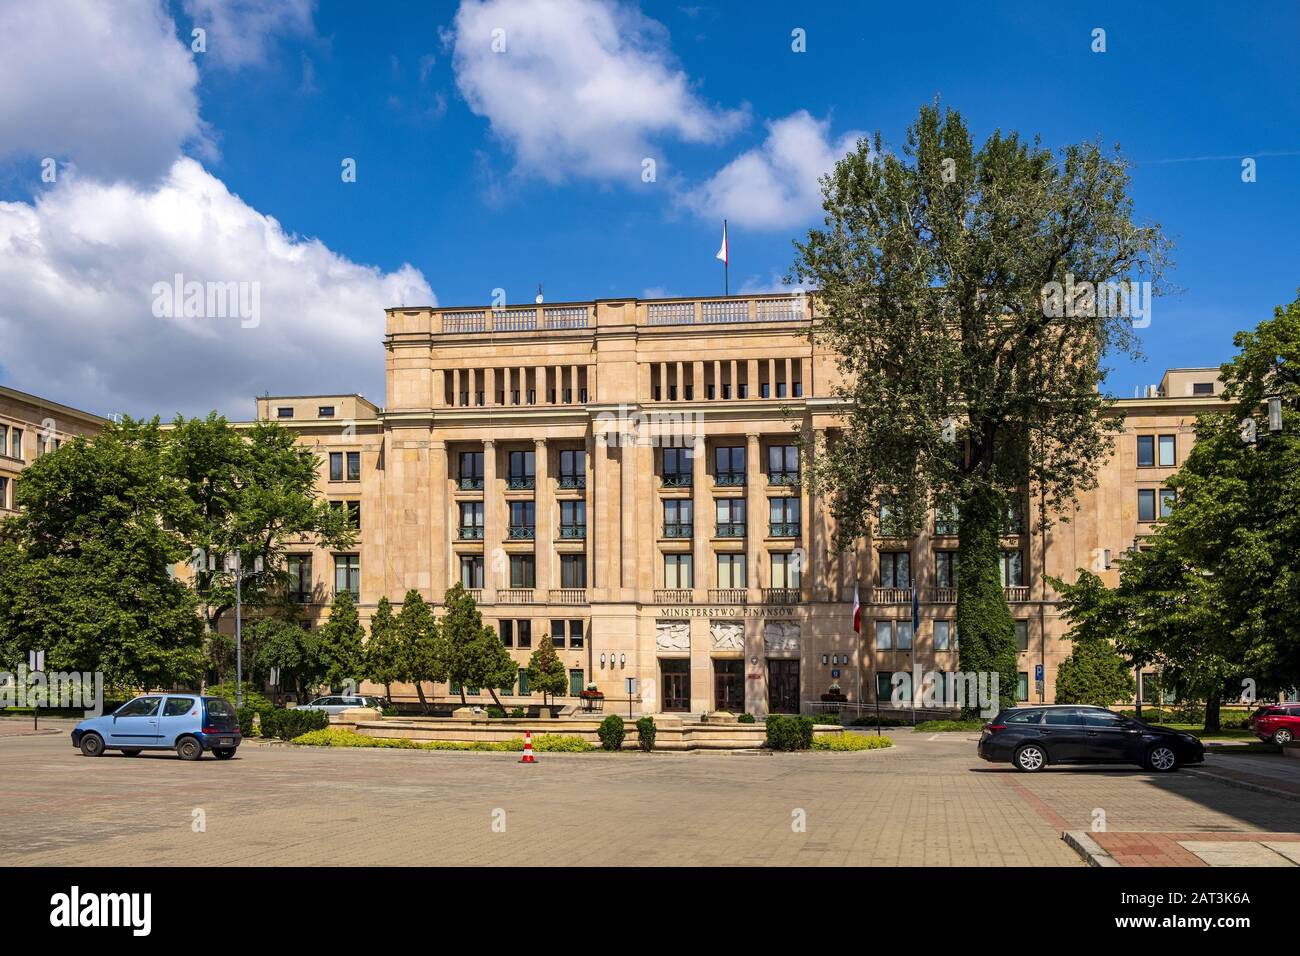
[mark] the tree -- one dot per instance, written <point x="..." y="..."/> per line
<point x="497" y="668"/>
<point x="944" y="281"/>
<point x="475" y="655"/>
<point x="1095" y="672"/>
<point x="341" y="640"/>
<point x="422" y="656"/>
<point x="85" y="564"/>
<point x="546" y="670"/>
<point x="295" y="651"/>
<point x="384" y="648"/>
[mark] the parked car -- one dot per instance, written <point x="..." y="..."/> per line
<point x="1030" y="738"/>
<point x="340" y="703"/>
<point x="187" y="723"/>
<point x="1279" y="723"/>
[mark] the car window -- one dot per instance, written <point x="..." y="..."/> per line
<point x="177" y="706"/>
<point x="140" y="707"/>
<point x="354" y="701"/>
<point x="1062" y="718"/>
<point x="219" y="707"/>
<point x="1025" y="717"/>
<point x="1102" y="718"/>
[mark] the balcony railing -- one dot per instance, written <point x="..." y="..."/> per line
<point x="568" y="595"/>
<point x="515" y="596"/>
<point x="1016" y="594"/>
<point x="571" y="482"/>
<point x="729" y="479"/>
<point x="783" y="478"/>
<point x="671" y="313"/>
<point x="514" y="320"/>
<point x="582" y="315"/>
<point x="731" y="529"/>
<point x="779" y="310"/>
<point x="471" y="532"/>
<point x="573" y="532"/>
<point x="672" y="595"/>
<point x="476" y="594"/>
<point x="472" y="320"/>
<point x="891" y="595"/>
<point x="724" y="310"/>
<point x="944" y="595"/>
<point x="727" y="595"/>
<point x="783" y="529"/>
<point x="679" y="530"/>
<point x="781" y="595"/>
<point x="470" y="484"/>
<point x="678" y="481"/>
<point x="522" y="532"/>
<point x="566" y="317"/>
<point x="521" y="483"/>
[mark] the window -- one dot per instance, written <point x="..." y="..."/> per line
<point x="903" y="635"/>
<point x="575" y="683"/>
<point x="354" y="515"/>
<point x="573" y="570"/>
<point x="284" y="411"/>
<point x="1167" y="497"/>
<point x="1022" y="636"/>
<point x="325" y="411"/>
<point x="524" y="633"/>
<point x="4" y="492"/>
<point x="471" y="571"/>
<point x="731" y="517"/>
<point x="729" y="466"/>
<point x="471" y="520"/>
<point x="1022" y="688"/>
<point x="942" y="634"/>
<point x="678" y="470"/>
<point x="573" y="469"/>
<point x="884" y="635"/>
<point x="891" y="522"/>
<point x="557" y="633"/>
<point x="507" y="630"/>
<point x="523" y="683"/>
<point x="783" y="514"/>
<point x="731" y="571"/>
<point x="895" y="569"/>
<point x="523" y="466"/>
<point x="783" y="465"/>
<point x="4" y="439"/>
<point x="471" y="470"/>
<point x="798" y="388"/>
<point x="576" y="633"/>
<point x="1202" y="388"/>
<point x="354" y="466"/>
<point x="945" y="521"/>
<point x="299" y="567"/>
<point x="1146" y="504"/>
<point x="1103" y="718"/>
<point x="40" y="445"/>
<point x="177" y="706"/>
<point x="523" y="519"/>
<point x="573" y="519"/>
<point x="884" y="686"/>
<point x="1028" y="716"/>
<point x="1013" y="569"/>
<point x="787" y="572"/>
<point x="16" y="443"/>
<point x="140" y="707"/>
<point x="677" y="571"/>
<point x="523" y="571"/>
<point x="336" y="466"/>
<point x="1167" y="448"/>
<point x="945" y="569"/>
<point x="1015" y="518"/>
<point x="677" y="518"/>
<point x="1146" y="447"/>
<point x="780" y="389"/>
<point x="347" y="574"/>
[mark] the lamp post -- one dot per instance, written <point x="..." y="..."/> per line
<point x="238" y="570"/>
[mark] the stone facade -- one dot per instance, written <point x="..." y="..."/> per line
<point x="30" y="427"/>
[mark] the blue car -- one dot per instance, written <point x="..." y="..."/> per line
<point x="186" y="723"/>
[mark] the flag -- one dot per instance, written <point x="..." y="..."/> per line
<point x="722" y="253"/>
<point x="857" y="610"/>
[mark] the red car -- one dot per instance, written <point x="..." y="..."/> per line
<point x="1279" y="723"/>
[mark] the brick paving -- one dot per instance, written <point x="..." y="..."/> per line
<point x="925" y="802"/>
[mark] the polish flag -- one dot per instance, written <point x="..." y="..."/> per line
<point x="857" y="610"/>
<point x="722" y="253"/>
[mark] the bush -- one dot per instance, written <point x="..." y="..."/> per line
<point x="611" y="732"/>
<point x="947" y="726"/>
<point x="645" y="733"/>
<point x="745" y="718"/>
<point x="338" y="737"/>
<point x="247" y="714"/>
<point x="847" y="742"/>
<point x="293" y="722"/>
<point x="495" y="711"/>
<point x="829" y="719"/>
<point x="789" y="732"/>
<point x="561" y="743"/>
<point x="518" y="712"/>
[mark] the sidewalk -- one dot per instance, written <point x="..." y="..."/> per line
<point x="20" y="725"/>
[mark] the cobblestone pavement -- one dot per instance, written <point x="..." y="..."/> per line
<point x="925" y="802"/>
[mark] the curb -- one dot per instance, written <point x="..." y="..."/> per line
<point x="1243" y="785"/>
<point x="1088" y="848"/>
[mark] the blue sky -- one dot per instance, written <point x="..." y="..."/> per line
<point x="468" y="181"/>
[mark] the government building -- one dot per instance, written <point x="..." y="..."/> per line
<point x="625" y="476"/>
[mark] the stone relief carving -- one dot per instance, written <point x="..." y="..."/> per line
<point x="673" y="635"/>
<point x="727" y="635"/>
<point x="781" y="637"/>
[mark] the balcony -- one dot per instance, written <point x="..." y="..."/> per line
<point x="727" y="595"/>
<point x="678" y="481"/>
<point x="672" y="595"/>
<point x="1016" y="594"/>
<point x="679" y="530"/>
<point x="470" y="483"/>
<point x="522" y="532"/>
<point x="521" y="483"/>
<point x="572" y="482"/>
<point x="943" y="595"/>
<point x="788" y="478"/>
<point x="471" y="533"/>
<point x="568" y="595"/>
<point x="573" y="532"/>
<point x="476" y="594"/>
<point x="783" y="529"/>
<point x="781" y="596"/>
<point x="515" y="596"/>
<point x="891" y="595"/>
<point x="732" y="529"/>
<point x="729" y="479"/>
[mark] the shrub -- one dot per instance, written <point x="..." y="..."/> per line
<point x="293" y="722"/>
<point x="518" y="712"/>
<point x="789" y="732"/>
<point x="611" y="732"/>
<point x="828" y="719"/>
<point x="247" y="714"/>
<point x="495" y="711"/>
<point x="846" y="742"/>
<point x="339" y="737"/>
<point x="745" y="718"/>
<point x="645" y="733"/>
<point x="561" y="743"/>
<point x="947" y="726"/>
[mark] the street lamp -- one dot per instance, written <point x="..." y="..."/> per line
<point x="238" y="569"/>
<point x="1275" y="413"/>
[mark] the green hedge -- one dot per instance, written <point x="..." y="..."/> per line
<point x="789" y="732"/>
<point x="543" y="743"/>
<point x="611" y="732"/>
<point x="645" y="733"/>
<point x="745" y="718"/>
<point x="947" y="726"/>
<point x="250" y="715"/>
<point x="293" y="722"/>
<point x="847" y="742"/>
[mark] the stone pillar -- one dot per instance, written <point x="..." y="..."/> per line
<point x="817" y="576"/>
<point x="755" y="515"/>
<point x="601" y="529"/>
<point x="697" y="382"/>
<point x="455" y="387"/>
<point x="573" y="384"/>
<point x="701" y="521"/>
<point x="594" y="528"/>
<point x="543" y="506"/>
<point x="441" y="529"/>
<point x="627" y="512"/>
<point x="495" y="566"/>
<point x="439" y="397"/>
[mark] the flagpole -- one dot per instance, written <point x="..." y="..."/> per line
<point x="726" y="263"/>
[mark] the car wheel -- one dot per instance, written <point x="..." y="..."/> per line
<point x="1030" y="758"/>
<point x="223" y="753"/>
<point x="187" y="748"/>
<point x="1162" y="759"/>
<point x="1283" y="736"/>
<point x="130" y="753"/>
<point x="92" y="745"/>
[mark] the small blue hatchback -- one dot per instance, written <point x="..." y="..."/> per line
<point x="187" y="723"/>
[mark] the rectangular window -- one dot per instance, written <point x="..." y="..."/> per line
<point x="325" y="411"/>
<point x="783" y="464"/>
<point x="677" y="571"/>
<point x="523" y="571"/>
<point x="783" y="514"/>
<point x="731" y="571"/>
<point x="523" y="465"/>
<point x="1167" y="449"/>
<point x="299" y="568"/>
<point x="678" y="518"/>
<point x="903" y="635"/>
<point x="576" y="634"/>
<point x="523" y="519"/>
<point x="679" y="465"/>
<point x="942" y="633"/>
<point x="507" y="630"/>
<point x="764" y="390"/>
<point x="1202" y="388"/>
<point x="895" y="569"/>
<point x="884" y="687"/>
<point x="16" y="445"/>
<point x="1146" y="447"/>
<point x="891" y="524"/>
<point x="354" y="466"/>
<point x="576" y="684"/>
<point x="347" y="574"/>
<point x="884" y="635"/>
<point x="573" y="519"/>
<point x="557" y="633"/>
<point x="471" y="571"/>
<point x="284" y="411"/>
<point x="524" y="633"/>
<point x="354" y="515"/>
<point x="730" y="513"/>
<point x="4" y="439"/>
<point x="1022" y="685"/>
<point x="1015" y="518"/>
<point x="787" y="571"/>
<point x="1013" y="569"/>
<point x="945" y="569"/>
<point x="1146" y="504"/>
<point x="780" y="389"/>
<point x="523" y="683"/>
<point x="4" y="492"/>
<point x="471" y="519"/>
<point x="945" y="521"/>
<point x="471" y="470"/>
<point x="573" y="469"/>
<point x="40" y="445"/>
<point x="1022" y="635"/>
<point x="1167" y="498"/>
<point x="336" y="466"/>
<point x="573" y="570"/>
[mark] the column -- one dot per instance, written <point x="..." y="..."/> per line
<point x="600" y="528"/>
<point x="594" y="528"/>
<point x="697" y="382"/>
<point x="573" y="384"/>
<point x="441" y="531"/>
<point x="817" y="575"/>
<point x="543" y="506"/>
<point x="439" y="397"/>
<point x="495" y="565"/>
<point x="702" y="519"/>
<point x="455" y="387"/>
<point x="627" y="512"/>
<point x="755" y="515"/>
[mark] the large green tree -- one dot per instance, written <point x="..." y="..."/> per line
<point x="967" y="382"/>
<point x="293" y="650"/>
<point x="546" y="670"/>
<point x="422" y="656"/>
<point x="474" y="653"/>
<point x="86" y="564"/>
<point x="342" y="642"/>
<point x="384" y="648"/>
<point x="1095" y="672"/>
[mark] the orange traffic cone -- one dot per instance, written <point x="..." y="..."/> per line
<point x="528" y="748"/>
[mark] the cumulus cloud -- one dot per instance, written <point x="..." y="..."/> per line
<point x="102" y="83"/>
<point x="774" y="185"/>
<point x="578" y="87"/>
<point x="240" y="31"/>
<point x="78" y="269"/>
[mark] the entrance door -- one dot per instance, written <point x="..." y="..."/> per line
<point x="676" y="682"/>
<point x="782" y="687"/>
<point x="729" y="686"/>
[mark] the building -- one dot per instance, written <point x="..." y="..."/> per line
<point x="30" y="427"/>
<point x="623" y="474"/>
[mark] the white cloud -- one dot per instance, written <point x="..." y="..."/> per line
<point x="78" y="266"/>
<point x="582" y="87"/>
<point x="240" y="31"/>
<point x="774" y="186"/>
<point x="103" y="83"/>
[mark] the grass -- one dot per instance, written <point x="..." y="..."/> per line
<point x="542" y="743"/>
<point x="848" y="742"/>
<point x="948" y="726"/>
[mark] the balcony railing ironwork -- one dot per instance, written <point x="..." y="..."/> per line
<point x="678" y="481"/>
<point x="673" y="595"/>
<point x="784" y="529"/>
<point x="729" y="479"/>
<point x="783" y="478"/>
<point x="728" y="595"/>
<point x="731" y="529"/>
<point x="679" y="530"/>
<point x="470" y="484"/>
<point x="471" y="532"/>
<point x="573" y="532"/>
<point x="781" y="596"/>
<point x="521" y="483"/>
<point x="522" y="532"/>
<point x="572" y="482"/>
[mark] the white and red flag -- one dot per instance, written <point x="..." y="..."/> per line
<point x="857" y="610"/>
<point x="722" y="252"/>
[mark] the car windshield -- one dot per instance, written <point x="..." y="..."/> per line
<point x="219" y="707"/>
